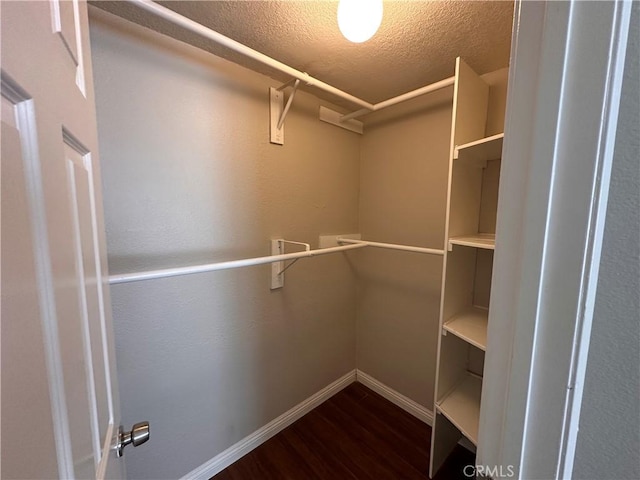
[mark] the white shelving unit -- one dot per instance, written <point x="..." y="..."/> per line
<point x="470" y="325"/>
<point x="474" y="165"/>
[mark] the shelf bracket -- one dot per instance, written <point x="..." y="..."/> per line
<point x="335" y="118"/>
<point x="278" y="110"/>
<point x="296" y="84"/>
<point x="278" y="268"/>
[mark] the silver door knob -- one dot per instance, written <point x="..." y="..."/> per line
<point x="137" y="436"/>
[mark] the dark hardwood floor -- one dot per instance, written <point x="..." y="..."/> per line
<point x="356" y="434"/>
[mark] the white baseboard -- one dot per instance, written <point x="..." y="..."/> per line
<point x="398" y="399"/>
<point x="244" y="446"/>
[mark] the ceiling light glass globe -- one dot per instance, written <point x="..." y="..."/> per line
<point x="359" y="19"/>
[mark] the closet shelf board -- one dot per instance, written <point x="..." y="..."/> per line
<point x="470" y="325"/>
<point x="479" y="152"/>
<point x="478" y="240"/>
<point x="462" y="406"/>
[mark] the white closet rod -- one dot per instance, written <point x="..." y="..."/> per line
<point x="195" y="27"/>
<point x="211" y="267"/>
<point x="392" y="246"/>
<point x="400" y="98"/>
<point x="199" y="29"/>
<point x="248" y="262"/>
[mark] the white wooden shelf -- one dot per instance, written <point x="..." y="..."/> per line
<point x="478" y="153"/>
<point x="478" y="240"/>
<point x="470" y="325"/>
<point x="462" y="406"/>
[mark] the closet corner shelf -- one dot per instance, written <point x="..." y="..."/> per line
<point x="462" y="406"/>
<point x="477" y="153"/>
<point x="470" y="325"/>
<point x="478" y="240"/>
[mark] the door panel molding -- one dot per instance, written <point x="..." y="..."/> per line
<point x="26" y="126"/>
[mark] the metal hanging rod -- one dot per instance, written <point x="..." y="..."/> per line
<point x="248" y="262"/>
<point x="206" y="32"/>
<point x="212" y="267"/>
<point x="195" y="27"/>
<point x="400" y="98"/>
<point x="392" y="246"/>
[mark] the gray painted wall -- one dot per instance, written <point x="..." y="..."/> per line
<point x="403" y="191"/>
<point x="609" y="437"/>
<point x="189" y="177"/>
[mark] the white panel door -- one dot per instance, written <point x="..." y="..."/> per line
<point x="60" y="411"/>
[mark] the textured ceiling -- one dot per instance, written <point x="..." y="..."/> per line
<point x="416" y="44"/>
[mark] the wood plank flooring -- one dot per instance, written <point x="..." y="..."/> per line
<point x="356" y="434"/>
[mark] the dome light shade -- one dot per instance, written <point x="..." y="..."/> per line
<point x="359" y="19"/>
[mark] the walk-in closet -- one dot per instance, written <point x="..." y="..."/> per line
<point x="241" y="241"/>
<point x="192" y="177"/>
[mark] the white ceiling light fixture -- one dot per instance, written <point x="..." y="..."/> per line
<point x="359" y="19"/>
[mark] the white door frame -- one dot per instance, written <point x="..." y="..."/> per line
<point x="564" y="92"/>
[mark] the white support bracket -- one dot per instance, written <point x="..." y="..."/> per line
<point x="329" y="241"/>
<point x="278" y="110"/>
<point x="278" y="268"/>
<point x="335" y="118"/>
<point x="277" y="278"/>
<point x="276" y="107"/>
